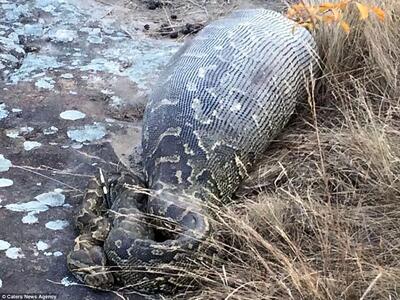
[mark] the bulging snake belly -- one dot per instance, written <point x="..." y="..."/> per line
<point x="220" y="101"/>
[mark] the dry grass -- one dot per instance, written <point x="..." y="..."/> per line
<point x="324" y="223"/>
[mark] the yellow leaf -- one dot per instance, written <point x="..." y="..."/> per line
<point x="379" y="13"/>
<point x="345" y="26"/>
<point x="363" y="9"/>
<point x="328" y="19"/>
<point x="327" y="5"/>
<point x="323" y="10"/>
<point x="330" y="5"/>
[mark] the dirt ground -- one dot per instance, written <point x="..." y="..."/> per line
<point x="74" y="79"/>
<point x="178" y="19"/>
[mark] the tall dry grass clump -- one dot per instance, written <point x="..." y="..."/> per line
<point x="320" y="217"/>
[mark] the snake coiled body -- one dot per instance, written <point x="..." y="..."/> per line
<point x="220" y="101"/>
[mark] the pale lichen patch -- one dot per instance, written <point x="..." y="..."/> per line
<point x="87" y="133"/>
<point x="57" y="224"/>
<point x="15" y="132"/>
<point x="30" y="218"/>
<point x="14" y="253"/>
<point x="66" y="282"/>
<point x="5" y="182"/>
<point x="5" y="164"/>
<point x="42" y="203"/>
<point x="4" y="245"/>
<point x="50" y="130"/>
<point x="72" y="115"/>
<point x="46" y="83"/>
<point x="3" y="111"/>
<point x="41" y="246"/>
<point x="30" y="145"/>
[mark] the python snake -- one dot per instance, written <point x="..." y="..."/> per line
<point x="220" y="101"/>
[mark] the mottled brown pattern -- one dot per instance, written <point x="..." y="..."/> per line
<point x="222" y="99"/>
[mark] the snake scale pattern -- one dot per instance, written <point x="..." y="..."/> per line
<point x="220" y="101"/>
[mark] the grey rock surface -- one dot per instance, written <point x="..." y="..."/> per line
<point x="72" y="90"/>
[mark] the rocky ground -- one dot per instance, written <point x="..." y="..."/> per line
<point x="75" y="76"/>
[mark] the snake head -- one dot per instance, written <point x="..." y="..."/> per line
<point x="177" y="217"/>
